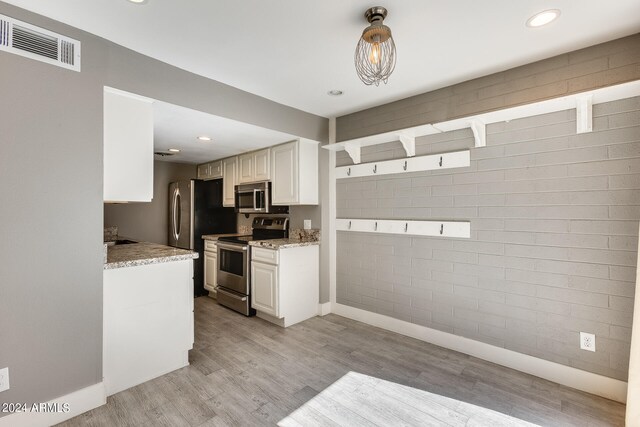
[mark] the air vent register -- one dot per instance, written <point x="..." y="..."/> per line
<point x="27" y="40"/>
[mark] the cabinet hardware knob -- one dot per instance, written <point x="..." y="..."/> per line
<point x="349" y="172"/>
<point x="441" y="228"/>
<point x="405" y="165"/>
<point x="440" y="161"/>
<point x="375" y="169"/>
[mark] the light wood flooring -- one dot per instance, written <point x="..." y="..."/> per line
<point x="334" y="371"/>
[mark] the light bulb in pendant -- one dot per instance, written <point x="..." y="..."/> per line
<point x="374" y="56"/>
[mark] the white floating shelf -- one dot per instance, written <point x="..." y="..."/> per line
<point x="582" y="102"/>
<point x="457" y="159"/>
<point x="460" y="229"/>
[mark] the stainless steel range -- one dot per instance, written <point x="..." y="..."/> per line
<point x="234" y="256"/>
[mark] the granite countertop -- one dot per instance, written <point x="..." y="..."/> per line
<point x="215" y="237"/>
<point x="144" y="253"/>
<point x="283" y="243"/>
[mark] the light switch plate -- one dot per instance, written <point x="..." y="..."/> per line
<point x="4" y="379"/>
<point x="307" y="224"/>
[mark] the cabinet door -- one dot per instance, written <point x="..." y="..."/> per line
<point x="210" y="271"/>
<point x="245" y="168"/>
<point x="264" y="288"/>
<point x="229" y="177"/>
<point x="284" y="160"/>
<point x="204" y="171"/>
<point x="262" y="165"/>
<point x="215" y="169"/>
<point x="128" y="147"/>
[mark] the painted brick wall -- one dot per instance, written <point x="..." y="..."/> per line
<point x="606" y="64"/>
<point x="554" y="234"/>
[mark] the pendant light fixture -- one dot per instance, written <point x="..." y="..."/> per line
<point x="375" y="56"/>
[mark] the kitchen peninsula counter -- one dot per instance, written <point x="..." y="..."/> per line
<point x="147" y="313"/>
<point x="144" y="253"/>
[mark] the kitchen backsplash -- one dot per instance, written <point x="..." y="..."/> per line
<point x="244" y="229"/>
<point x="110" y="234"/>
<point x="311" y="235"/>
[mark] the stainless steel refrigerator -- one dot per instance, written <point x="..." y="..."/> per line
<point x="195" y="208"/>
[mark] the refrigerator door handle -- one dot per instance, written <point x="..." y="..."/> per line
<point x="176" y="214"/>
<point x="172" y="216"/>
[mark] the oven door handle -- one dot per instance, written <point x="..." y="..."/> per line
<point x="234" y="248"/>
<point x="229" y="294"/>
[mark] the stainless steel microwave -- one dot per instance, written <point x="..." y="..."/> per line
<point x="256" y="198"/>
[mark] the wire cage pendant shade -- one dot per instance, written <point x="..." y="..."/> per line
<point x="375" y="57"/>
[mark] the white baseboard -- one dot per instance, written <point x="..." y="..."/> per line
<point x="561" y="374"/>
<point x="324" y="309"/>
<point x="79" y="402"/>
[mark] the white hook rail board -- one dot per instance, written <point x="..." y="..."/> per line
<point x="460" y="229"/>
<point x="456" y="159"/>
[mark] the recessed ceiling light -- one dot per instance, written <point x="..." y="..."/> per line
<point x="138" y="1"/>
<point x="174" y="150"/>
<point x="204" y="138"/>
<point x="543" y="18"/>
<point x="335" y="92"/>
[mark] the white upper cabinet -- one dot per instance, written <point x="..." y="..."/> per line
<point x="245" y="168"/>
<point x="262" y="165"/>
<point x="215" y="169"/>
<point x="294" y="177"/>
<point x="204" y="171"/>
<point x="230" y="179"/>
<point x="254" y="166"/>
<point x="211" y="170"/>
<point x="128" y="147"/>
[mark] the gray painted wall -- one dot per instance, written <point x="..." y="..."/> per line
<point x="52" y="210"/>
<point x="606" y="64"/>
<point x="554" y="236"/>
<point x="149" y="222"/>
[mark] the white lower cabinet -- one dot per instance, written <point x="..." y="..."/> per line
<point x="147" y="322"/>
<point x="210" y="267"/>
<point x="285" y="283"/>
<point x="264" y="290"/>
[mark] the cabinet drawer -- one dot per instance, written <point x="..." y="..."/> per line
<point x="210" y="245"/>
<point x="264" y="255"/>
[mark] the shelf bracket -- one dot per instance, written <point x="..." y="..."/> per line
<point x="353" y="150"/>
<point x="479" y="133"/>
<point x="584" y="114"/>
<point x="409" y="144"/>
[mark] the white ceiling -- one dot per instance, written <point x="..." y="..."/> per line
<point x="294" y="51"/>
<point x="179" y="127"/>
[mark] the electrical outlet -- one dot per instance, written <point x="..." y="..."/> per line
<point x="307" y="224"/>
<point x="587" y="341"/>
<point x="4" y="379"/>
